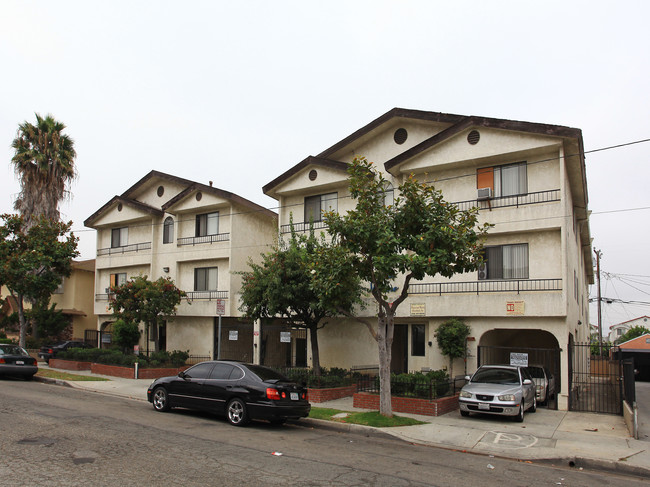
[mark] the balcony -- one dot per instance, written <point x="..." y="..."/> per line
<point x="478" y="287"/>
<point x="219" y="237"/>
<point x="508" y="201"/>
<point x="488" y="204"/>
<point x="206" y="295"/>
<point x="125" y="249"/>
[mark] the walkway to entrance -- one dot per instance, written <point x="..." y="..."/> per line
<point x="643" y="405"/>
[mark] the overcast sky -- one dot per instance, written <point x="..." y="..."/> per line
<point x="238" y="92"/>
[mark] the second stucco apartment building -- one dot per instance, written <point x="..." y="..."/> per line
<point x="529" y="181"/>
<point x="196" y="234"/>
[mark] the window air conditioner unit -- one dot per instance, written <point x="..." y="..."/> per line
<point x="482" y="272"/>
<point x="484" y="193"/>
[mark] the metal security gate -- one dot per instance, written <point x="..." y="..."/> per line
<point x="595" y="383"/>
<point x="546" y="357"/>
<point x="283" y="346"/>
<point x="236" y="340"/>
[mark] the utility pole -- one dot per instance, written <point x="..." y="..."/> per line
<point x="600" y="318"/>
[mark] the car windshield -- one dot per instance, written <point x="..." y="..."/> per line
<point x="266" y="374"/>
<point x="12" y="350"/>
<point x="536" y="372"/>
<point x="496" y="376"/>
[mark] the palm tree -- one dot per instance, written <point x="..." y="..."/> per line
<point x="44" y="163"/>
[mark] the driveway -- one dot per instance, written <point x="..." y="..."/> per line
<point x="643" y="409"/>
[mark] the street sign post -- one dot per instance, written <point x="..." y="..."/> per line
<point x="221" y="310"/>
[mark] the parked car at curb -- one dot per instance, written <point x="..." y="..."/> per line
<point x="16" y="362"/>
<point x="50" y="351"/>
<point x="544" y="382"/>
<point x="237" y="390"/>
<point x="505" y="390"/>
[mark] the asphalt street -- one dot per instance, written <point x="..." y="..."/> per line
<point x="57" y="436"/>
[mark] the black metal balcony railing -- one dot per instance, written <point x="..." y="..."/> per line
<point x="501" y="202"/>
<point x="219" y="237"/>
<point x="208" y="295"/>
<point x="303" y="227"/>
<point x="124" y="249"/>
<point x="507" y="201"/>
<point x="477" y="287"/>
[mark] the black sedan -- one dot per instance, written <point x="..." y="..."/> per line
<point x="51" y="351"/>
<point x="16" y="362"/>
<point x="237" y="390"/>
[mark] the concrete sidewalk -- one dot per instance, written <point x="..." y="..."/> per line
<point x="560" y="437"/>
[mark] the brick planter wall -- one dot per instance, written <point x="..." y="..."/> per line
<point x="57" y="363"/>
<point x="436" y="407"/>
<point x="331" y="393"/>
<point x="156" y="373"/>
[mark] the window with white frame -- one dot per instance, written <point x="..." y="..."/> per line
<point x="207" y="224"/>
<point x="506" y="180"/>
<point x="388" y="194"/>
<point x="205" y="279"/>
<point x="118" y="279"/>
<point x="315" y="206"/>
<point x="119" y="237"/>
<point x="505" y="262"/>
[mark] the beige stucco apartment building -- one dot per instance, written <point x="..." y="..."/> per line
<point x="528" y="179"/>
<point x="197" y="235"/>
<point x="74" y="298"/>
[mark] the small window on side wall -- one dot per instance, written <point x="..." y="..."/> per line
<point x="119" y="237"/>
<point x="168" y="230"/>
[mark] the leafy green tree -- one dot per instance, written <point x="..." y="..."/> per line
<point x="452" y="340"/>
<point x="633" y="332"/>
<point x="281" y="286"/>
<point x="51" y="322"/>
<point x="419" y="235"/>
<point x="150" y="302"/>
<point x="600" y="351"/>
<point x="44" y="163"/>
<point x="34" y="260"/>
<point x="126" y="335"/>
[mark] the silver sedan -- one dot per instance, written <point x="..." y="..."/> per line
<point x="505" y="390"/>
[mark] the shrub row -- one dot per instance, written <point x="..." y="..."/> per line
<point x="109" y="356"/>
<point x="334" y="377"/>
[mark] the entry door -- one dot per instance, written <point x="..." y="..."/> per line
<point x="399" y="362"/>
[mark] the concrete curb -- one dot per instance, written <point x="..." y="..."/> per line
<point x="47" y="380"/>
<point x="357" y="429"/>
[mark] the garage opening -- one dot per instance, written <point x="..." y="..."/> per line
<point x="532" y="347"/>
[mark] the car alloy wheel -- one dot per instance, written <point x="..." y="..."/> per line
<point x="160" y="399"/>
<point x="236" y="412"/>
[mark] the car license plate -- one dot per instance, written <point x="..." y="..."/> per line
<point x="20" y="362"/>
<point x="483" y="406"/>
<point x="294" y="396"/>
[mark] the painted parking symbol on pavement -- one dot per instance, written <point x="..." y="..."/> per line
<point x="509" y="440"/>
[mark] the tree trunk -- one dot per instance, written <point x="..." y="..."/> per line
<point x="21" y="320"/>
<point x="451" y="368"/>
<point x="315" y="353"/>
<point x="385" y="328"/>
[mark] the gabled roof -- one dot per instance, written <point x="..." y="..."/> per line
<point x="155" y="174"/>
<point x="193" y="187"/>
<point x="466" y="123"/>
<point x="625" y="323"/>
<point x="126" y="201"/>
<point x="311" y="160"/>
<point x="388" y="116"/>
<point x="126" y="197"/>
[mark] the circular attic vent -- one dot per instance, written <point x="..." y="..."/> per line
<point x="161" y="190"/>
<point x="119" y="207"/>
<point x="199" y="195"/>
<point x="473" y="137"/>
<point x="400" y="136"/>
<point x="313" y="174"/>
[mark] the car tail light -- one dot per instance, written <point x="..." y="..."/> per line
<point x="2" y="361"/>
<point x="49" y="350"/>
<point x="272" y="394"/>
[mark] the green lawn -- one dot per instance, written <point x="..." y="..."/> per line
<point x="370" y="418"/>
<point x="55" y="374"/>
